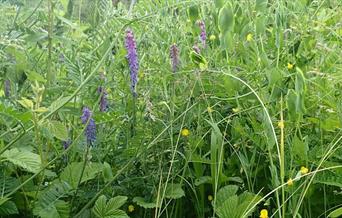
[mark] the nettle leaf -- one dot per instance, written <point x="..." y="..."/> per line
<point x="102" y="209"/>
<point x="73" y="171"/>
<point x="174" y="191"/>
<point x="25" y="159"/>
<point x="58" y="130"/>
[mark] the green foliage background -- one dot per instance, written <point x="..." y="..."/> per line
<point x="266" y="64"/>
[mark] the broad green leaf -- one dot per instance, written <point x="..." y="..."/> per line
<point x="8" y="208"/>
<point x="224" y="193"/>
<point x="27" y="103"/>
<point x="174" y="191"/>
<point x="193" y="13"/>
<point x="58" y="130"/>
<point x="336" y="213"/>
<point x="25" y="159"/>
<point x="260" y="5"/>
<point x="228" y="207"/>
<point x="103" y="210"/>
<point x="299" y="148"/>
<point x="219" y="3"/>
<point x="116" y="202"/>
<point x="73" y="171"/>
<point x="34" y="76"/>
<point x="226" y="19"/>
<point x="142" y="203"/>
<point x="107" y="172"/>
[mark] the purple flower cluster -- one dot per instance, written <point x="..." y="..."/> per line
<point x="7" y="87"/>
<point x="196" y="49"/>
<point x="132" y="57"/>
<point x="90" y="131"/>
<point x="174" y="55"/>
<point x="103" y="100"/>
<point x="66" y="144"/>
<point x="203" y="35"/>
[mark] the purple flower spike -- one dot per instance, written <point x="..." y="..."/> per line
<point x="203" y="35"/>
<point x="132" y="57"/>
<point x="90" y="131"/>
<point x="66" y="144"/>
<point x="174" y="55"/>
<point x="196" y="49"/>
<point x="7" y="87"/>
<point x="103" y="100"/>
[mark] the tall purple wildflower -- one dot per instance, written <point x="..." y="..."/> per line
<point x="132" y="57"/>
<point x="90" y="131"/>
<point x="7" y="87"/>
<point x="174" y="55"/>
<point x="196" y="48"/>
<point x="103" y="100"/>
<point x="66" y="144"/>
<point x="203" y="34"/>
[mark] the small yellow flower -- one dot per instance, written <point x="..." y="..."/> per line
<point x="131" y="208"/>
<point x="210" y="110"/>
<point x="210" y="198"/>
<point x="281" y="124"/>
<point x="249" y="37"/>
<point x="236" y="110"/>
<point x="212" y="37"/>
<point x="263" y="213"/>
<point x="304" y="170"/>
<point x="290" y="182"/>
<point x="289" y="66"/>
<point x="185" y="132"/>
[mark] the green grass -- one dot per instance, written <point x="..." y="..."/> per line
<point x="262" y="104"/>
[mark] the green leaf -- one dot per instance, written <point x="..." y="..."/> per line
<point x="224" y="193"/>
<point x="336" y="213"/>
<point x="300" y="148"/>
<point x="219" y="3"/>
<point x="142" y="203"/>
<point x="58" y="130"/>
<point x="107" y="172"/>
<point x="193" y="13"/>
<point x="260" y="5"/>
<point x="25" y="159"/>
<point x="226" y="19"/>
<point x="228" y="207"/>
<point x="174" y="191"/>
<point x="33" y="76"/>
<point x="103" y="210"/>
<point x="72" y="172"/>
<point x="8" y="208"/>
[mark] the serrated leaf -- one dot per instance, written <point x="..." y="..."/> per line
<point x="102" y="209"/>
<point x="25" y="159"/>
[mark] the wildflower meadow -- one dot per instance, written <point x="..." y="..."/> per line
<point x="171" y="108"/>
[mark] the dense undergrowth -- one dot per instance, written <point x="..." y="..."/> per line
<point x="171" y="108"/>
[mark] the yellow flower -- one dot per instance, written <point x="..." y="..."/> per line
<point x="281" y="124"/>
<point x="263" y="213"/>
<point x="304" y="170"/>
<point x="289" y="66"/>
<point x="249" y="37"/>
<point x="236" y="110"/>
<point x="185" y="132"/>
<point x="131" y="208"/>
<point x="210" y="198"/>
<point x="212" y="37"/>
<point x="290" y="182"/>
<point x="210" y="110"/>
